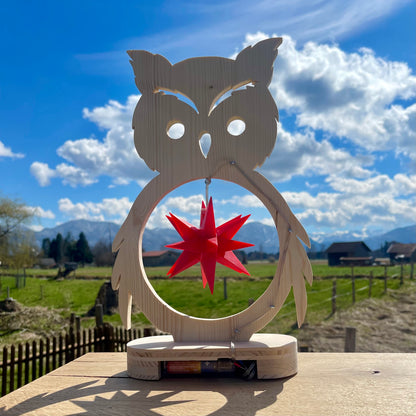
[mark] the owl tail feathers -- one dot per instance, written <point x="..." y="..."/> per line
<point x="124" y="270"/>
<point x="120" y="282"/>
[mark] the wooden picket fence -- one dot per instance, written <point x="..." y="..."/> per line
<point x="24" y="363"/>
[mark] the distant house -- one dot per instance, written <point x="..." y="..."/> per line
<point x="355" y="253"/>
<point x="402" y="253"/>
<point x="159" y="258"/>
<point x="47" y="263"/>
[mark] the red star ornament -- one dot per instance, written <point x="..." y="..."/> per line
<point x="207" y="244"/>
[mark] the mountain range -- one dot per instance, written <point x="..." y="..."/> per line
<point x="264" y="237"/>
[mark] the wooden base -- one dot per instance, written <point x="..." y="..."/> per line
<point x="275" y="354"/>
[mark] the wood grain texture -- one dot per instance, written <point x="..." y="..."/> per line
<point x="326" y="384"/>
<point x="277" y="354"/>
<point x="230" y="158"/>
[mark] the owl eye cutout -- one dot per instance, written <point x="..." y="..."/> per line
<point x="175" y="130"/>
<point x="236" y="127"/>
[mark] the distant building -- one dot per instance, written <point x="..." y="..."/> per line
<point x="159" y="258"/>
<point x="355" y="253"/>
<point x="47" y="263"/>
<point x="402" y="253"/>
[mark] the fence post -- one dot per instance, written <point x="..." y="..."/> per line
<point x="4" y="373"/>
<point x="60" y="350"/>
<point x="353" y="285"/>
<point x="350" y="339"/>
<point x="370" y="284"/>
<point x="78" y="324"/>
<point x="147" y="332"/>
<point x="41" y="358"/>
<point x="54" y="353"/>
<point x="11" y="375"/>
<point x="99" y="319"/>
<point x="72" y="321"/>
<point x="334" y="296"/>
<point x="401" y="274"/>
<point x="385" y="279"/>
<point x="33" y="360"/>
<point x="411" y="270"/>
<point x="225" y="288"/>
<point x="47" y="356"/>
<point x="19" y="365"/>
<point x="27" y="353"/>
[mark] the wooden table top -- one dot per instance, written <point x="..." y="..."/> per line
<point x="326" y="384"/>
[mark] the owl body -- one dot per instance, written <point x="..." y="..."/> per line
<point x="206" y="95"/>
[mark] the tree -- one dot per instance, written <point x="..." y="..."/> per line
<point x="46" y="246"/>
<point x="70" y="248"/>
<point x="83" y="253"/>
<point x="13" y="213"/>
<point x="17" y="247"/>
<point x="103" y="256"/>
<point x="56" y="249"/>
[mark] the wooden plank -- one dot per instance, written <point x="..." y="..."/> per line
<point x="326" y="384"/>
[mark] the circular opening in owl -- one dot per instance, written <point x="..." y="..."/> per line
<point x="236" y="127"/>
<point x="185" y="263"/>
<point x="175" y="131"/>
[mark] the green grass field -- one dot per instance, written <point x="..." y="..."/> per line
<point x="185" y="293"/>
<point x="256" y="270"/>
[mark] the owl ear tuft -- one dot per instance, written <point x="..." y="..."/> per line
<point x="256" y="62"/>
<point x="151" y="71"/>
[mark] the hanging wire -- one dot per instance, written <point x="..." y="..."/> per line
<point x="207" y="183"/>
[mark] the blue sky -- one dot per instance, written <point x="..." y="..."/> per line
<point x="344" y="83"/>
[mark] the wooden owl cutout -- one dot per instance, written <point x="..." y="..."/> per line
<point x="203" y="104"/>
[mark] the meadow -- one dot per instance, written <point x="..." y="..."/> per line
<point x="185" y="293"/>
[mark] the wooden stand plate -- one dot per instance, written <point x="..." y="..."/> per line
<point x="275" y="354"/>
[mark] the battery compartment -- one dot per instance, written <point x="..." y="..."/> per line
<point x="246" y="370"/>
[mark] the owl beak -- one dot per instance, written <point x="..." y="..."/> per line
<point x="205" y="144"/>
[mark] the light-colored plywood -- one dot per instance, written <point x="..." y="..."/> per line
<point x="202" y="105"/>
<point x="275" y="355"/>
<point x="327" y="384"/>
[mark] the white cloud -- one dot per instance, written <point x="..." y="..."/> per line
<point x="42" y="173"/>
<point x="88" y="158"/>
<point x="370" y="202"/>
<point x="191" y="204"/>
<point x="302" y="154"/>
<point x="109" y="209"/>
<point x="7" y="152"/>
<point x="351" y="95"/>
<point x="247" y="200"/>
<point x="42" y="213"/>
